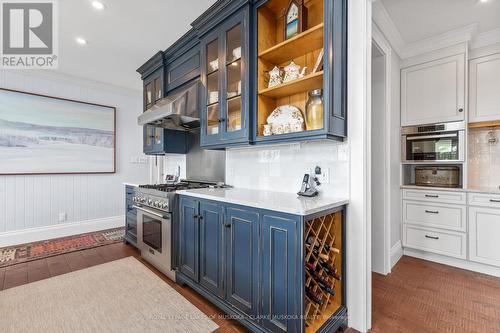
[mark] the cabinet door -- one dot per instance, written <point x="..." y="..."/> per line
<point x="433" y="92"/>
<point x="188" y="238"/>
<point x="211" y="69"/>
<point x="211" y="258"/>
<point x="148" y="139"/>
<point x="484" y="228"/>
<point x="484" y="88"/>
<point x="280" y="272"/>
<point x="234" y="109"/>
<point x="242" y="259"/>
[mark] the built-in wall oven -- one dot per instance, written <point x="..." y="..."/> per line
<point x="433" y="143"/>
<point x="154" y="232"/>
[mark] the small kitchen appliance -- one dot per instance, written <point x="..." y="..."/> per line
<point x="433" y="143"/>
<point x="437" y="176"/>
<point x="308" y="188"/>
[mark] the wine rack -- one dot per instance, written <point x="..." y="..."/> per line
<point x="323" y="247"/>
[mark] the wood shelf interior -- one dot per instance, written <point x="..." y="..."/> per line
<point x="306" y="83"/>
<point x="273" y="50"/>
<point x="311" y="39"/>
<point x="327" y="232"/>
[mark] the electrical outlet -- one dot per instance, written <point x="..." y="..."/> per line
<point x="143" y="160"/>
<point x="324" y="177"/>
<point x="63" y="217"/>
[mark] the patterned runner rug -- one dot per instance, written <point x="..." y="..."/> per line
<point x="27" y="252"/>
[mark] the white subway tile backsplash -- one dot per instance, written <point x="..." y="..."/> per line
<point x="281" y="167"/>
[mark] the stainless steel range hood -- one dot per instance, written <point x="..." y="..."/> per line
<point x="179" y="110"/>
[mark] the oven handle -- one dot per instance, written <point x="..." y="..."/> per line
<point x="437" y="136"/>
<point x="150" y="212"/>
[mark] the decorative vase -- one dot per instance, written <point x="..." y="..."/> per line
<point x="314" y="110"/>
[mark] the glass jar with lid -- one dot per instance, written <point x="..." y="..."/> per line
<point x="314" y="110"/>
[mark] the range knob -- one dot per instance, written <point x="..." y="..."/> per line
<point x="156" y="204"/>
<point x="164" y="205"/>
<point x="150" y="202"/>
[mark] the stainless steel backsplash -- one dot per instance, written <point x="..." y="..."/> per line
<point x="204" y="165"/>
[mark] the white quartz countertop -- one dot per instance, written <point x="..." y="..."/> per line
<point x="472" y="189"/>
<point x="277" y="201"/>
<point x="135" y="184"/>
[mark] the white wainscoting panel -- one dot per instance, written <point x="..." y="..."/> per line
<point x="37" y="201"/>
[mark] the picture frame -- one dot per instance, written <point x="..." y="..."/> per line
<point x="41" y="134"/>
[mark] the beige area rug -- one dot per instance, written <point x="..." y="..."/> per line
<point x="119" y="296"/>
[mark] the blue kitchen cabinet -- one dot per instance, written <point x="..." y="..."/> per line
<point x="159" y="141"/>
<point x="281" y="265"/>
<point x="211" y="247"/>
<point x="242" y="259"/>
<point x="130" y="217"/>
<point x="225" y="68"/>
<point x="188" y="238"/>
<point x="251" y="263"/>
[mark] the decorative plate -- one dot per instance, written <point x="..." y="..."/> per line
<point x="286" y="119"/>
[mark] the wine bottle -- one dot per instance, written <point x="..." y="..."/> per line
<point x="330" y="270"/>
<point x="322" y="283"/>
<point x="317" y="253"/>
<point x="315" y="297"/>
<point x="327" y="247"/>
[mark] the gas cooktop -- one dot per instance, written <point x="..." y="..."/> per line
<point x="183" y="185"/>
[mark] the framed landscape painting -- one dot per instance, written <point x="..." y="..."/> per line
<point x="48" y="135"/>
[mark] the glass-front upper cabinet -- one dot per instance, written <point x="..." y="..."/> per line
<point x="153" y="89"/>
<point x="224" y="112"/>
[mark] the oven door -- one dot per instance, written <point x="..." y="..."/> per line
<point x="435" y="147"/>
<point x="154" y="238"/>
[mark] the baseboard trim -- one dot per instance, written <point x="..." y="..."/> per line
<point x="455" y="262"/>
<point x="10" y="238"/>
<point x="396" y="253"/>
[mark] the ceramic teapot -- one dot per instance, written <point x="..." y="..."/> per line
<point x="292" y="72"/>
<point x="275" y="77"/>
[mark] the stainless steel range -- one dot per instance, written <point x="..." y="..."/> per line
<point x="156" y="206"/>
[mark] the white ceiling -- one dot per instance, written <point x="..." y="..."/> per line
<point x="121" y="37"/>
<point x="420" y="19"/>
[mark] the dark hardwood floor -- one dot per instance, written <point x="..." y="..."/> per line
<point x="418" y="296"/>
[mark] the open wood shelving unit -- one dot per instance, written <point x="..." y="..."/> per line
<point x="327" y="232"/>
<point x="273" y="50"/>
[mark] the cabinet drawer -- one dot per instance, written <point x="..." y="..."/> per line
<point x="443" y="216"/>
<point x="448" y="243"/>
<point x="484" y="200"/>
<point x="483" y="236"/>
<point x="450" y="197"/>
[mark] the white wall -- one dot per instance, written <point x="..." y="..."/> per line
<point x="395" y="154"/>
<point x="282" y="167"/>
<point x="378" y="166"/>
<point x="36" y="201"/>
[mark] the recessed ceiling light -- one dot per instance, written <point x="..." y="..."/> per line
<point x="98" y="5"/>
<point x="483" y="1"/>
<point x="81" y="41"/>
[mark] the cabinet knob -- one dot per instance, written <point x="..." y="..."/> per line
<point x="460" y="110"/>
<point x="227" y="225"/>
<point x="222" y="120"/>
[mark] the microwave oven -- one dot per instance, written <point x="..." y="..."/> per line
<point x="433" y="143"/>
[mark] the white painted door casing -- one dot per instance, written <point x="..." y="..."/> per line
<point x="484" y="231"/>
<point x="484" y="88"/>
<point x="433" y="92"/>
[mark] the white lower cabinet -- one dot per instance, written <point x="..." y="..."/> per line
<point x="484" y="235"/>
<point x="435" y="215"/>
<point x="448" y="243"/>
